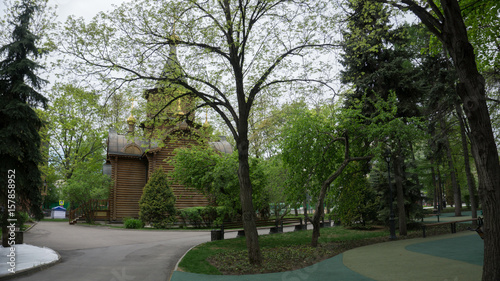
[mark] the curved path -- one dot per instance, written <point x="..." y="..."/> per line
<point x="451" y="257"/>
<point x="108" y="254"/>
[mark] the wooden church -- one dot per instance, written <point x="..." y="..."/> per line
<point x="131" y="160"/>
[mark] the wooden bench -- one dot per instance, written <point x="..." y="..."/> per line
<point x="273" y="225"/>
<point x="453" y="225"/>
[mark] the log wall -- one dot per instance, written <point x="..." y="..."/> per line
<point x="185" y="197"/>
<point x="129" y="180"/>
<point x="130" y="175"/>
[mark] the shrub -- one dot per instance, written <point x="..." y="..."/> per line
<point x="157" y="202"/>
<point x="191" y="216"/>
<point x="133" y="223"/>
<point x="209" y="215"/>
<point x="204" y="216"/>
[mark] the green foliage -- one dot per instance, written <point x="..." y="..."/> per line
<point x="354" y="200"/>
<point x="483" y="29"/>
<point x="75" y="130"/>
<point x="133" y="223"/>
<point x="191" y="216"/>
<point x="87" y="184"/>
<point x="17" y="71"/>
<point x="203" y="216"/>
<point x="216" y="176"/>
<point x="21" y="218"/>
<point x="157" y="203"/>
<point x="277" y="176"/>
<point x="19" y="92"/>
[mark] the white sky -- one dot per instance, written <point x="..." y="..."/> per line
<point x="82" y="8"/>
<point x="79" y="8"/>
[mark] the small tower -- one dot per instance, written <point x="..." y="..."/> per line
<point x="131" y="124"/>
<point x="167" y="90"/>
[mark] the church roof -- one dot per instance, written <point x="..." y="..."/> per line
<point x="125" y="145"/>
<point x="222" y="145"/>
<point x="135" y="147"/>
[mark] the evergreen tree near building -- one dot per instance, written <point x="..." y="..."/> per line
<point x="19" y="124"/>
<point x="157" y="204"/>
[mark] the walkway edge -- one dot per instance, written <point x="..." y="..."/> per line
<point x="179" y="261"/>
<point x="28" y="271"/>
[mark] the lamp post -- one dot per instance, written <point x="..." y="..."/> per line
<point x="438" y="195"/>
<point x="392" y="227"/>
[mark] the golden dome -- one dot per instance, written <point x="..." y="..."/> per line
<point x="131" y="119"/>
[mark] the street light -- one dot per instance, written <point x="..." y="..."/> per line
<point x="392" y="227"/>
<point x="438" y="194"/>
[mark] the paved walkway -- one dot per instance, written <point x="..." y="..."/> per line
<point x="451" y="257"/>
<point x="105" y="254"/>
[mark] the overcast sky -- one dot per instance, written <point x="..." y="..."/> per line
<point x="82" y="8"/>
<point x="79" y="8"/>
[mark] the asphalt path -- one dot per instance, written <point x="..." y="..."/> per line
<point x="102" y="253"/>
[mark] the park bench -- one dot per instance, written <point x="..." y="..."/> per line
<point x="453" y="225"/>
<point x="273" y="225"/>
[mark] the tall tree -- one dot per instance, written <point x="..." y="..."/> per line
<point x="444" y="19"/>
<point x="233" y="51"/>
<point x="19" y="124"/>
<point x="75" y="129"/>
<point x="377" y="63"/>
<point x="316" y="150"/>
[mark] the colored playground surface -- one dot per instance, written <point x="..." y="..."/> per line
<point x="452" y="257"/>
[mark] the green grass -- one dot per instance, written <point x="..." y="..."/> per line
<point x="281" y="252"/>
<point x="57" y="220"/>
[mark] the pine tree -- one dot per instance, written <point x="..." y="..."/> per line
<point x="377" y="62"/>
<point x="19" y="124"/>
<point x="157" y="204"/>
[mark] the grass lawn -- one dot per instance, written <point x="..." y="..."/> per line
<point x="281" y="252"/>
<point x="57" y="220"/>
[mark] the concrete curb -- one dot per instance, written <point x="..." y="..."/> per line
<point x="179" y="261"/>
<point x="28" y="271"/>
<point x="31" y="226"/>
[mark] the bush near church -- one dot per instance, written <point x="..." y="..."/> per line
<point x="156" y="206"/>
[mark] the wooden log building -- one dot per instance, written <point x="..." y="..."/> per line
<point x="131" y="160"/>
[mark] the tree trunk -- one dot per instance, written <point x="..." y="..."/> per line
<point x="436" y="187"/>
<point x="472" y="92"/>
<point x="457" y="195"/>
<point x="251" y="234"/>
<point x="320" y="210"/>
<point x="306" y="216"/>
<point x="398" y="176"/>
<point x="440" y="190"/>
<point x="465" y="150"/>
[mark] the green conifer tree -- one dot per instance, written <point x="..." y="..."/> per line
<point x="19" y="124"/>
<point x="157" y="204"/>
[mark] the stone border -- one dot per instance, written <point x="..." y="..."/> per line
<point x="31" y="270"/>
<point x="179" y="261"/>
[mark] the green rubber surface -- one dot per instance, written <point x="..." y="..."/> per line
<point x="393" y="261"/>
<point x="468" y="249"/>
<point x="331" y="269"/>
<point x="450" y="257"/>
